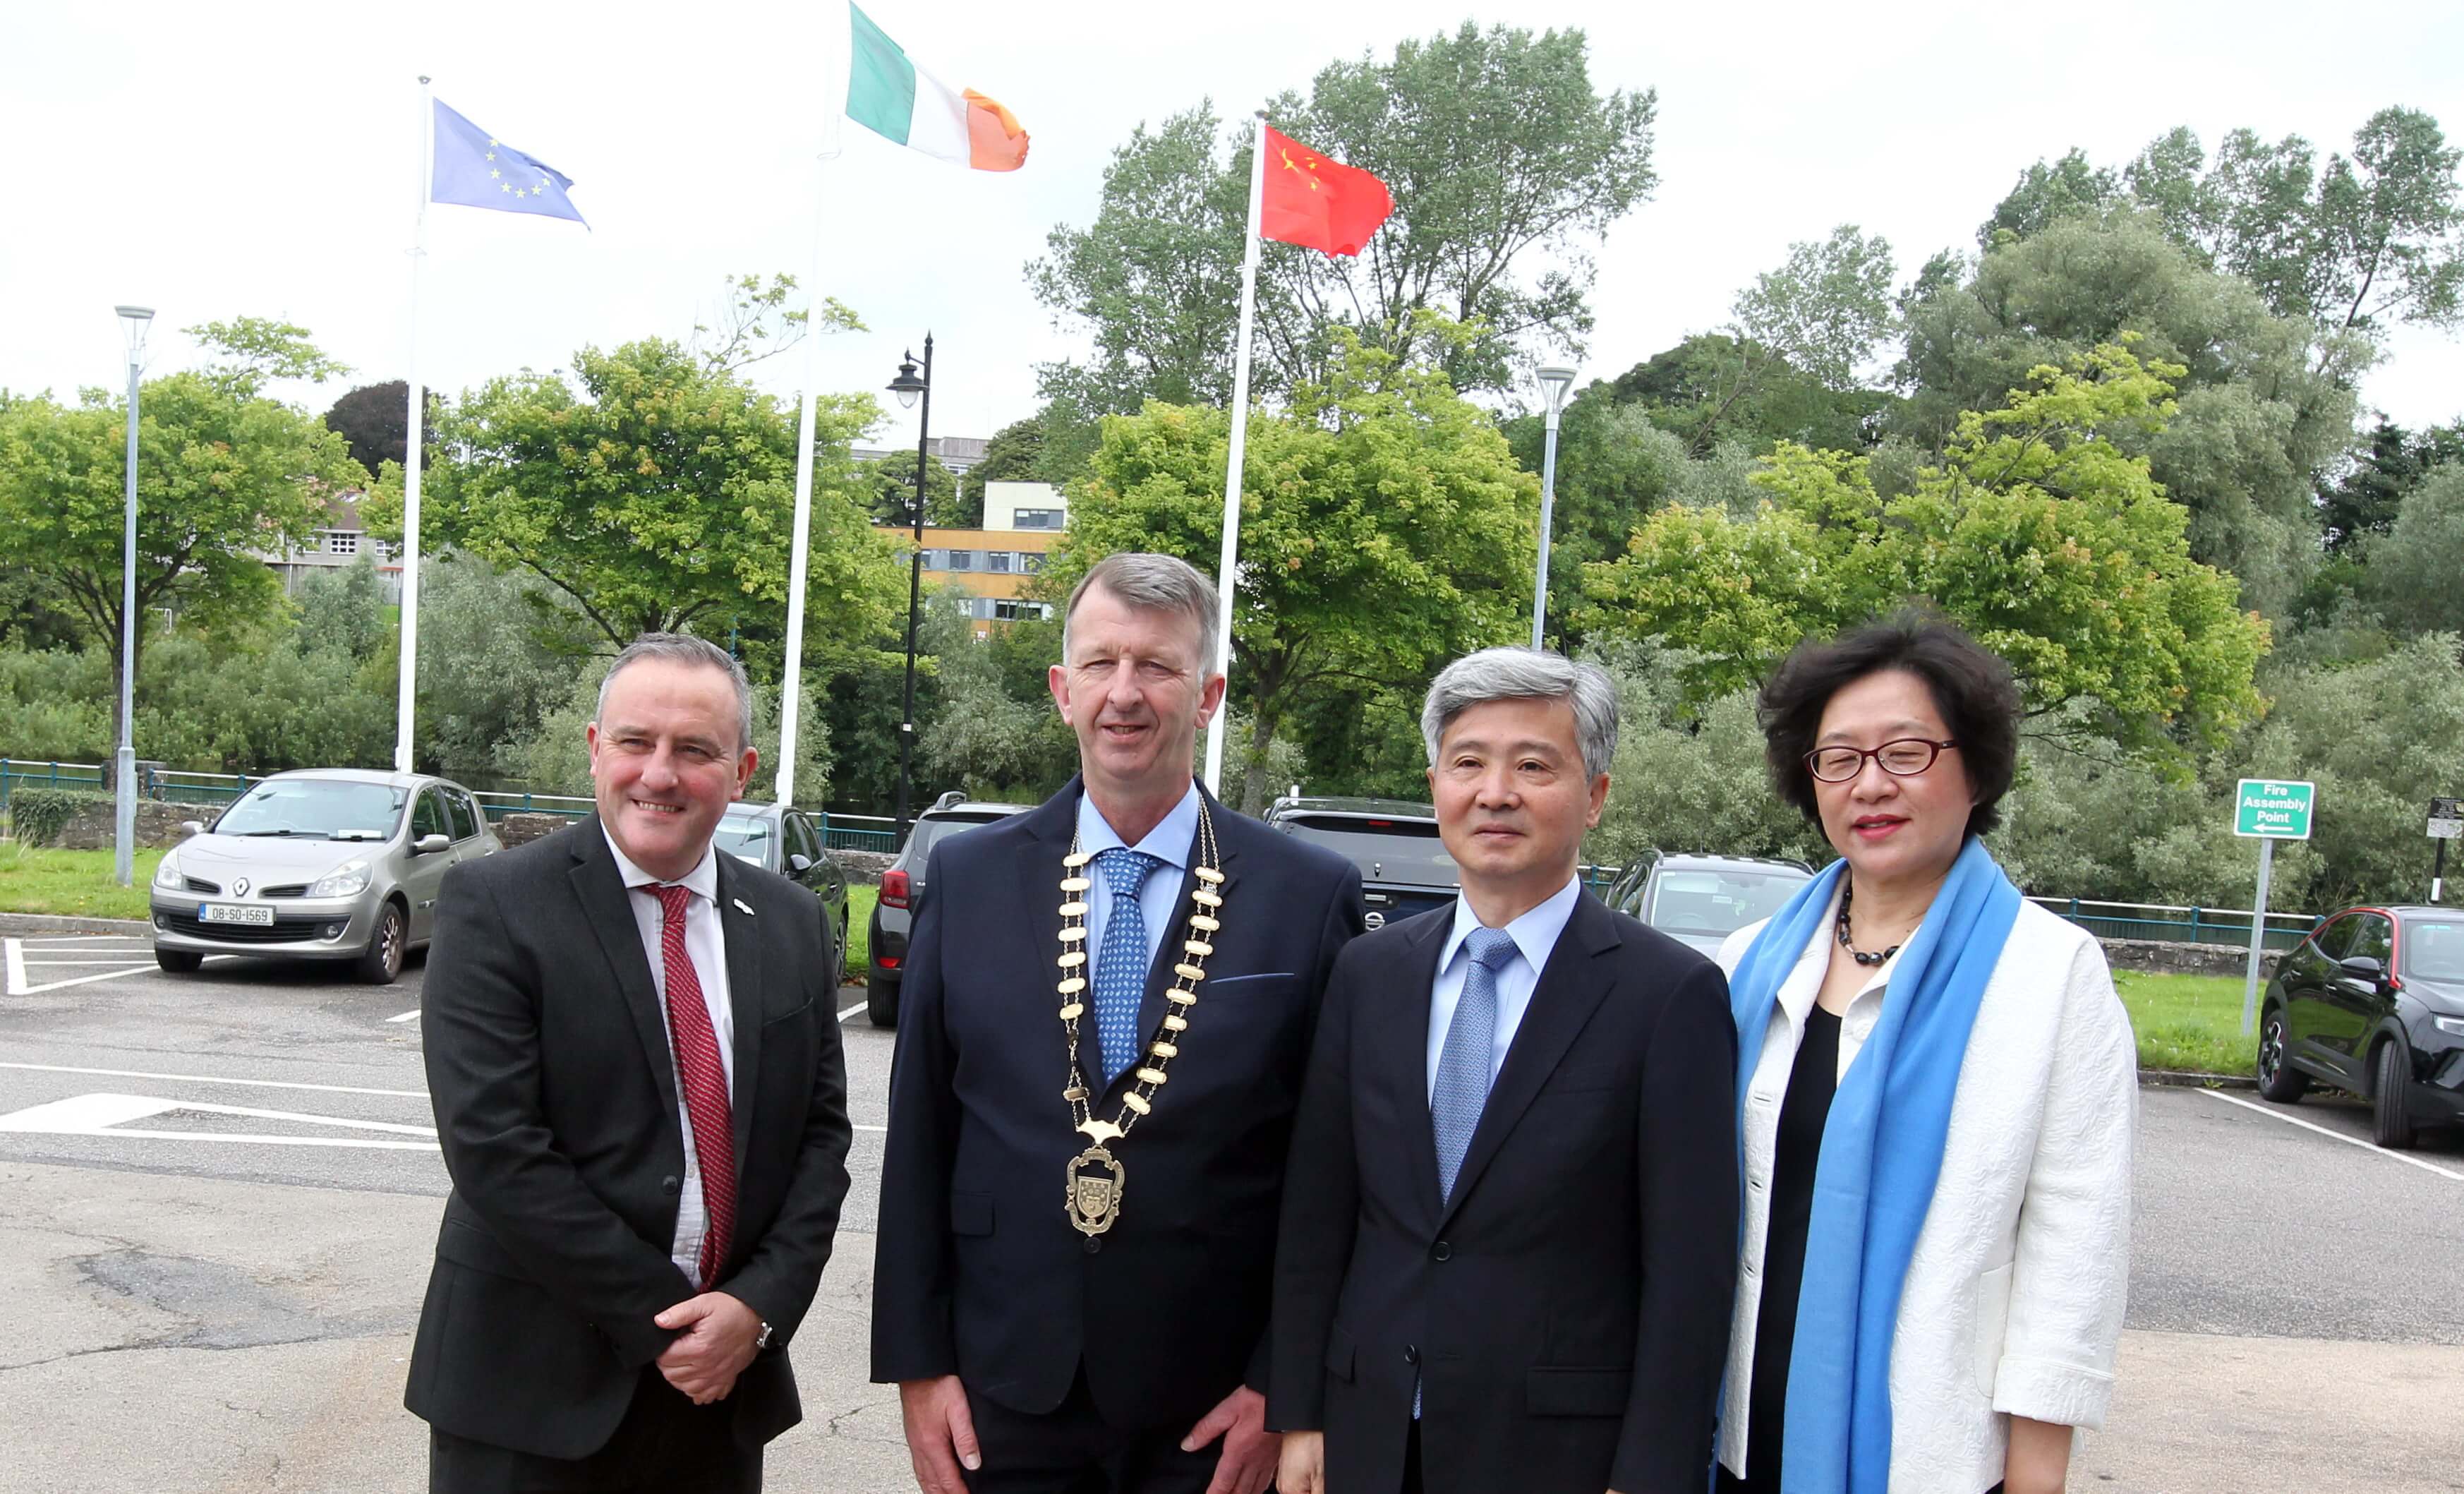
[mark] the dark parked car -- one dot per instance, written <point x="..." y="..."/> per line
<point x="1405" y="869"/>
<point x="790" y="844"/>
<point x="2372" y="1002"/>
<point x="902" y="892"/>
<point x="1700" y="900"/>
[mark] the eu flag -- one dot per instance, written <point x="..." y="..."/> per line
<point x="478" y="170"/>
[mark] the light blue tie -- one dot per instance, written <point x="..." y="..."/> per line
<point x="1121" y="964"/>
<point x="1463" y="1074"/>
<point x="1464" y="1071"/>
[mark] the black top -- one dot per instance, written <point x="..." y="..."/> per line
<point x="1811" y="1084"/>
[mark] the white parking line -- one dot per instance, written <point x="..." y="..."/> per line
<point x="12" y="956"/>
<point x="851" y="1011"/>
<point x="411" y="1015"/>
<point x="216" y="1079"/>
<point x="108" y="1115"/>
<point x="2333" y="1135"/>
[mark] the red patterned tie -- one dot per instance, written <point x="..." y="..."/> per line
<point x="705" y="1083"/>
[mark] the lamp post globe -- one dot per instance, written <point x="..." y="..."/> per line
<point x="133" y="322"/>
<point x="908" y="387"/>
<point x="1555" y="379"/>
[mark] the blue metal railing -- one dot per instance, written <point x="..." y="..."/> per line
<point x="2228" y="925"/>
<point x="15" y="770"/>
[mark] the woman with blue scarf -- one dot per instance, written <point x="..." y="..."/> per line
<point x="1936" y="1098"/>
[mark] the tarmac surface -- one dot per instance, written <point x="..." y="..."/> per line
<point x="219" y="1191"/>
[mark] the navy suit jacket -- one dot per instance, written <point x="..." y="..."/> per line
<point x="977" y="1270"/>
<point x="1567" y="1310"/>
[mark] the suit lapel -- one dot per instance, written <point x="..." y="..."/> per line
<point x="607" y="909"/>
<point x="744" y="937"/>
<point x="1408" y="1064"/>
<point x="1571" y="989"/>
<point x="1052" y="827"/>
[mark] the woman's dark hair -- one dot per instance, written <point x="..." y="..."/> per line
<point x="1971" y="685"/>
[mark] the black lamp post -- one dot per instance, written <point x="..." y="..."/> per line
<point x="908" y="387"/>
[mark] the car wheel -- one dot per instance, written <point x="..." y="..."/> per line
<point x="881" y="1002"/>
<point x="180" y="962"/>
<point x="2391" y="1075"/>
<point x="2277" y="1080"/>
<point x="383" y="960"/>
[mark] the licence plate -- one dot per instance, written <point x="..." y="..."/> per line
<point x="236" y="912"/>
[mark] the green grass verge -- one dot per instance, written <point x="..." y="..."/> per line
<point x="2191" y="1023"/>
<point x="41" y="880"/>
<point x="860" y="901"/>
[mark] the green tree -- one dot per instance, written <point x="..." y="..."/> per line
<point x="375" y="419"/>
<point x="498" y="652"/>
<point x="1689" y="775"/>
<point x="1014" y="454"/>
<point x="2266" y="400"/>
<point x="1826" y="310"/>
<point x="2411" y="580"/>
<point x="888" y="484"/>
<point x="1385" y="528"/>
<point x="1507" y="170"/>
<point x="225" y="477"/>
<point x="2045" y="194"/>
<point x="345" y="610"/>
<point x="2038" y="534"/>
<point x="658" y="494"/>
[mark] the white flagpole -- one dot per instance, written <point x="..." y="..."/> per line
<point x="405" y="694"/>
<point x="1224" y="568"/>
<point x="791" y="687"/>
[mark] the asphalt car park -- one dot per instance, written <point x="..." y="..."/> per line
<point x="218" y="1194"/>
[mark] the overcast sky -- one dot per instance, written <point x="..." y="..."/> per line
<point x="260" y="159"/>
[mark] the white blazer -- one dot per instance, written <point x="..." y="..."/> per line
<point x="2014" y="1296"/>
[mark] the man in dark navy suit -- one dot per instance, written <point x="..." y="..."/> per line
<point x="1510" y="1228"/>
<point x="1106" y="1014"/>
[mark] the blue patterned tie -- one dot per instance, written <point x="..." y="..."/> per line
<point x="1463" y="1071"/>
<point x="1121" y="964"/>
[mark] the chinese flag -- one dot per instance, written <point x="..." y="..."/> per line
<point x="1316" y="203"/>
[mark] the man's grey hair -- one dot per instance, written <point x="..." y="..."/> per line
<point x="1527" y="675"/>
<point x="686" y="648"/>
<point x="1154" y="583"/>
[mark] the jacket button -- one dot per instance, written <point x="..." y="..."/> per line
<point x="671" y="1185"/>
<point x="1442" y="1251"/>
<point x="1094" y="1244"/>
<point x="1412" y="1354"/>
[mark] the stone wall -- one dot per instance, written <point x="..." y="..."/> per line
<point x="96" y="826"/>
<point x="2161" y="956"/>
<point x="525" y="827"/>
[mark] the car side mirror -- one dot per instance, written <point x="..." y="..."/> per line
<point x="429" y="845"/>
<point x="799" y="863"/>
<point x="193" y="827"/>
<point x="2362" y="967"/>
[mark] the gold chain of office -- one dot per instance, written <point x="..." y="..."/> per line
<point x="1096" y="1179"/>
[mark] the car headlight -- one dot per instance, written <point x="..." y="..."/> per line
<point x="167" y="876"/>
<point x="347" y="880"/>
<point x="2452" y="1025"/>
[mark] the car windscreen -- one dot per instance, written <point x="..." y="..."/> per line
<point x="750" y="837"/>
<point x="316" y="809"/>
<point x="928" y="833"/>
<point x="1712" y="902"/>
<point x="1385" y="850"/>
<point x="2434" y="951"/>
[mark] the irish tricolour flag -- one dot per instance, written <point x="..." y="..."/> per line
<point x="890" y="96"/>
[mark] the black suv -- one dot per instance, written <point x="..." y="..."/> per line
<point x="2372" y="1002"/>
<point x="902" y="892"/>
<point x="1405" y="869"/>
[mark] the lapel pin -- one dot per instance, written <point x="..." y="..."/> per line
<point x="742" y="907"/>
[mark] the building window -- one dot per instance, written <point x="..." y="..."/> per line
<point x="1029" y="562"/>
<point x="960" y="561"/>
<point x="338" y="541"/>
<point x="1038" y="519"/>
<point x="999" y="560"/>
<point x="1008" y="612"/>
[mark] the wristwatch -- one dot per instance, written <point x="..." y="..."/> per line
<point x="762" y="1342"/>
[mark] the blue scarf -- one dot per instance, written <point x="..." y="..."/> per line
<point x="1881" y="1154"/>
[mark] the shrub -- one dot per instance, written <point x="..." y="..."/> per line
<point x="40" y="813"/>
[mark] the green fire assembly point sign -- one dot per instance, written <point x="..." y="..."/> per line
<point x="2274" y="809"/>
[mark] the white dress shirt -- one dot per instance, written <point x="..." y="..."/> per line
<point x="1534" y="935"/>
<point x="2014" y="1299"/>
<point x="706" y="945"/>
<point x="1170" y="841"/>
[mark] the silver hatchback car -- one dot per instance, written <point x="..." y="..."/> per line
<point x="327" y="864"/>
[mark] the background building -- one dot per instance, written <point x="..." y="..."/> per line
<point x="985" y="571"/>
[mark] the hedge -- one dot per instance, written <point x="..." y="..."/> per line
<point x="40" y="813"/>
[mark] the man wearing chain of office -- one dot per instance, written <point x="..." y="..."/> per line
<point x="1102" y="1026"/>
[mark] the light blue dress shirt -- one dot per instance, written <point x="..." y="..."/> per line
<point x="1535" y="934"/>
<point x="1170" y="841"/>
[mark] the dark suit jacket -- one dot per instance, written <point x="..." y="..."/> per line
<point x="977" y="1270"/>
<point x="1567" y="1308"/>
<point x="555" y="1090"/>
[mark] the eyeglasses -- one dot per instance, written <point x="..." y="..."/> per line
<point x="1904" y="759"/>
